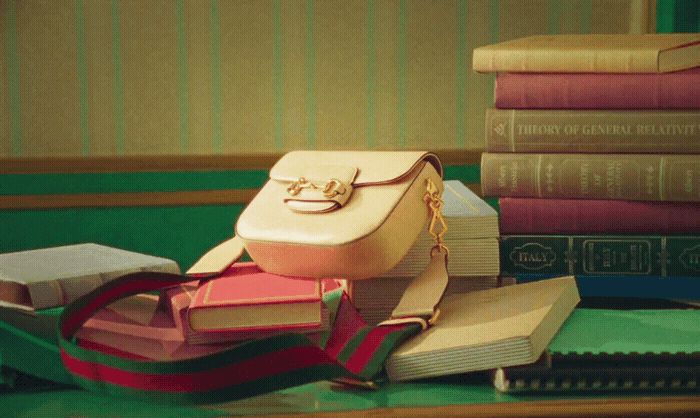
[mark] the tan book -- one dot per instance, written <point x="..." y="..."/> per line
<point x="619" y="53"/>
<point x="593" y="131"/>
<point x="375" y="299"/>
<point x="472" y="237"/>
<point x="648" y="177"/>
<point x="50" y="277"/>
<point x="483" y="330"/>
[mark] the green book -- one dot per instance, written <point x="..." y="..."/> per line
<point x="600" y="255"/>
<point x="615" y="350"/>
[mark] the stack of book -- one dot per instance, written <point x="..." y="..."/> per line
<point x="472" y="240"/>
<point x="593" y="148"/>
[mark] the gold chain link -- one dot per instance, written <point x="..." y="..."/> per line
<point x="435" y="202"/>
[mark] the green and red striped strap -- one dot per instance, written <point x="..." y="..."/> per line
<point x="353" y="351"/>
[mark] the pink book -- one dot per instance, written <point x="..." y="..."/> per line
<point x="676" y="90"/>
<point x="247" y="303"/>
<point x="574" y="216"/>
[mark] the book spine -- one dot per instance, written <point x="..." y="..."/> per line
<point x="646" y="287"/>
<point x="600" y="255"/>
<point x="649" y="177"/>
<point x="576" y="216"/>
<point x="591" y="131"/>
<point x="677" y="90"/>
<point x="552" y="60"/>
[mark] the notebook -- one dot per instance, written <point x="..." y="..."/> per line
<point x="615" y="350"/>
<point x="487" y="329"/>
<point x="51" y="277"/>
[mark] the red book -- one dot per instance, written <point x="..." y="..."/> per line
<point x="574" y="216"/>
<point x="676" y="90"/>
<point x="246" y="298"/>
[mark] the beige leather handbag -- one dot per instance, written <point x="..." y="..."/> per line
<point x="348" y="214"/>
<point x="345" y="214"/>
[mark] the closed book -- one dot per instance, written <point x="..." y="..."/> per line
<point x="483" y="330"/>
<point x="676" y="90"/>
<point x="178" y="300"/>
<point x="375" y="299"/>
<point x="601" y="255"/>
<point x="51" y="277"/>
<point x="615" y="350"/>
<point x="247" y="298"/>
<point x="472" y="237"/>
<point x="593" y="131"/>
<point x="576" y="216"/>
<point x="591" y="53"/>
<point x="647" y="177"/>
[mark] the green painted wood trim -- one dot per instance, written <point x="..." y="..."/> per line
<point x="673" y="16"/>
<point x="165" y="181"/>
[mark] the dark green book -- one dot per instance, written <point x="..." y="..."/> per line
<point x="600" y="255"/>
<point x="615" y="350"/>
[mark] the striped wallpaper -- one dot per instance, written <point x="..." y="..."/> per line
<point x="198" y="77"/>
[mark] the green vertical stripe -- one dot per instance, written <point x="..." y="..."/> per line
<point x="403" y="63"/>
<point x="215" y="33"/>
<point x="13" y="78"/>
<point x="554" y="10"/>
<point x="82" y="75"/>
<point x="277" y="71"/>
<point x="586" y="16"/>
<point x="494" y="28"/>
<point x="118" y="78"/>
<point x="182" y="73"/>
<point x="461" y="90"/>
<point x="310" y="72"/>
<point x="371" y="77"/>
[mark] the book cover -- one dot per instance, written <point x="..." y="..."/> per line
<point x="487" y="329"/>
<point x="646" y="177"/>
<point x="593" y="131"/>
<point x="51" y="277"/>
<point x="247" y="298"/>
<point x="178" y="300"/>
<point x="676" y="90"/>
<point x="615" y="350"/>
<point x="591" y="53"/>
<point x="577" y="216"/>
<point x="600" y="255"/>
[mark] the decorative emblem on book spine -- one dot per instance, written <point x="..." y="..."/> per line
<point x="690" y="258"/>
<point x="533" y="256"/>
<point x="500" y="128"/>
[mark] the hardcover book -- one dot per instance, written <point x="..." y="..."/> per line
<point x="600" y="255"/>
<point x="577" y="216"/>
<point x="483" y="330"/>
<point x="591" y="53"/>
<point x="676" y="90"/>
<point x="178" y="300"/>
<point x="615" y="350"/>
<point x="593" y="131"/>
<point x="472" y="237"/>
<point x="245" y="298"/>
<point x="375" y="299"/>
<point x="46" y="278"/>
<point x="649" y="177"/>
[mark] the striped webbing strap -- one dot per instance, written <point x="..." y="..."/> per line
<point x="354" y="351"/>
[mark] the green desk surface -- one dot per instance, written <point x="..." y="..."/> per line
<point x="472" y="397"/>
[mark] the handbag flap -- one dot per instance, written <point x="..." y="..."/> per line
<point x="364" y="167"/>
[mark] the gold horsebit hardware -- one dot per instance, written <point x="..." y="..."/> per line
<point x="332" y="188"/>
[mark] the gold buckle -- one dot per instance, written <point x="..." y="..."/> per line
<point x="424" y="324"/>
<point x="332" y="188"/>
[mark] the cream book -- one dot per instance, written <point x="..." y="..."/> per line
<point x="619" y="53"/>
<point x="375" y="299"/>
<point x="472" y="237"/>
<point x="51" y="277"/>
<point x="484" y="330"/>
